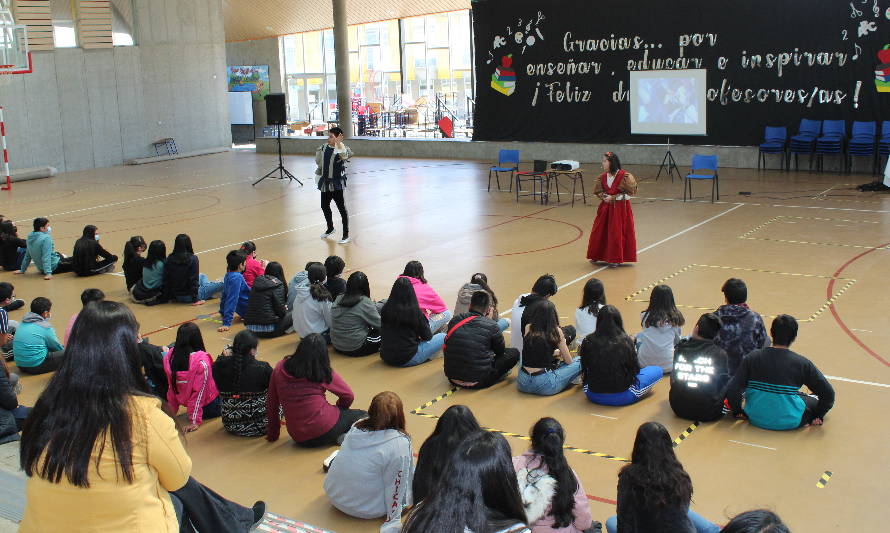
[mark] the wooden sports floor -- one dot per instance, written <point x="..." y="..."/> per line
<point x="806" y="243"/>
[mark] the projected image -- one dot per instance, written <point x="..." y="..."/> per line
<point x="667" y="101"/>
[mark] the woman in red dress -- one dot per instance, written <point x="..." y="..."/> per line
<point x="613" y="238"/>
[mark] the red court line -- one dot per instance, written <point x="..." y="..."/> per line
<point x="601" y="500"/>
<point x="837" y="317"/>
<point x="171" y="326"/>
<point x="577" y="237"/>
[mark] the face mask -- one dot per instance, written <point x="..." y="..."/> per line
<point x="97" y="236"/>
<point x="49" y="229"/>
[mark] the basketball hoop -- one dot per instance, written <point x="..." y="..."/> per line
<point x="15" y="58"/>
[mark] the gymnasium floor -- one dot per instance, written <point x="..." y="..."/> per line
<point x="806" y="244"/>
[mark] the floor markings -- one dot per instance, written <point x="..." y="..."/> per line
<point x="823" y="479"/>
<point x="752" y="445"/>
<point x="757" y="204"/>
<point x="604" y="416"/>
<point x="685" y="435"/>
<point x="848" y="380"/>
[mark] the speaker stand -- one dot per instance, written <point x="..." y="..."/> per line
<point x="282" y="172"/>
<point x="669" y="164"/>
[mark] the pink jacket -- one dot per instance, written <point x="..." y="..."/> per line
<point x="429" y="301"/>
<point x="252" y="270"/>
<point x="196" y="385"/>
<point x="583" y="519"/>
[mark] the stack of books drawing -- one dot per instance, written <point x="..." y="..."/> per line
<point x="882" y="78"/>
<point x="504" y="78"/>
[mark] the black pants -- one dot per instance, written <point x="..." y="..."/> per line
<point x="369" y="347"/>
<point x="808" y="414"/>
<point x="501" y="366"/>
<point x="286" y="322"/>
<point x="18" y="303"/>
<point x="348" y="417"/>
<point x="337" y="197"/>
<point x="51" y="363"/>
<point x="99" y="267"/>
<point x="199" y="508"/>
<point x="65" y="265"/>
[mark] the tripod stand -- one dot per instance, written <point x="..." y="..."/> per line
<point x="283" y="173"/>
<point x="669" y="164"/>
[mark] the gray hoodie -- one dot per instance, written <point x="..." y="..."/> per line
<point x="351" y="324"/>
<point x="372" y="475"/>
<point x="301" y="278"/>
<point x="310" y="315"/>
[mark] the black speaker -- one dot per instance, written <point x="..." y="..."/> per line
<point x="276" y="110"/>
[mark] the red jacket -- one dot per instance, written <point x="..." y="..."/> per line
<point x="307" y="411"/>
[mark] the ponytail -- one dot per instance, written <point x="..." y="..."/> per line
<point x="548" y="438"/>
<point x="317" y="289"/>
<point x="244" y="342"/>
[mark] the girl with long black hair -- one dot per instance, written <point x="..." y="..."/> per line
<point x="87" y="251"/>
<point x="551" y="491"/>
<point x="407" y="336"/>
<point x="133" y="260"/>
<point x="477" y="492"/>
<point x="452" y="427"/>
<point x="312" y="304"/>
<point x="183" y="281"/>
<point x="12" y="247"/>
<point x="593" y="299"/>
<point x="756" y="521"/>
<point x="243" y="382"/>
<point x="355" y="319"/>
<point x="546" y="365"/>
<point x="654" y="491"/>
<point x="433" y="307"/>
<point x="661" y="323"/>
<point x="189" y="377"/>
<point x="267" y="313"/>
<point x="150" y="287"/>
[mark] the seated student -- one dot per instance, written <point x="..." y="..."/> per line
<point x="478" y="282"/>
<point x="612" y="374"/>
<point x="12" y="415"/>
<point x="298" y="386"/>
<point x="700" y="374"/>
<point x="35" y="347"/>
<point x="300" y="279"/>
<point x="312" y="304"/>
<point x="592" y="300"/>
<point x="355" y="320"/>
<point x="133" y="260"/>
<point x="334" y="266"/>
<point x="113" y="461"/>
<point x="547" y="366"/>
<point x="554" y="498"/>
<point x="371" y="474"/>
<point x="266" y="313"/>
<point x="544" y="287"/>
<point x="235" y="292"/>
<point x="477" y="492"/>
<point x="7" y="326"/>
<point x="42" y="250"/>
<point x="743" y="330"/>
<point x="253" y="267"/>
<point x="771" y="378"/>
<point x="474" y="349"/>
<point x="87" y="251"/>
<point x="406" y="336"/>
<point x="149" y="290"/>
<point x="452" y="427"/>
<point x="87" y="296"/>
<point x="433" y="307"/>
<point x="243" y="382"/>
<point x="189" y="377"/>
<point x="182" y="280"/>
<point x="661" y="323"/>
<point x="756" y="521"/>
<point x="12" y="247"/>
<point x="654" y="490"/>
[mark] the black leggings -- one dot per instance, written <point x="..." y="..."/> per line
<point x="369" y="347"/>
<point x="199" y="508"/>
<point x="347" y="418"/>
<point x="337" y="197"/>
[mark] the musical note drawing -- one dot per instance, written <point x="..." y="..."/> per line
<point x="855" y="12"/>
<point x="843" y="35"/>
<point x="491" y="57"/>
<point x="858" y="51"/>
<point x="875" y="9"/>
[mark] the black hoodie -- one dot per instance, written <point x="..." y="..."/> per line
<point x="268" y="301"/>
<point x="181" y="276"/>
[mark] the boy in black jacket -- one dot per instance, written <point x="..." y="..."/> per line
<point x="700" y="373"/>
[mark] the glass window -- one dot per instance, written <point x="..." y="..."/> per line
<point x="313" y="52"/>
<point x="122" y="23"/>
<point x="293" y="54"/>
<point x="329" y="53"/>
<point x="437" y="30"/>
<point x="414" y="30"/>
<point x="461" y="41"/>
<point x="64" y="30"/>
<point x="353" y="38"/>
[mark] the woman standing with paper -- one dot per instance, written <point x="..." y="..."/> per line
<point x="330" y="176"/>
<point x="613" y="237"/>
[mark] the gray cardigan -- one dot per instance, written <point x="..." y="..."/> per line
<point x="350" y="325"/>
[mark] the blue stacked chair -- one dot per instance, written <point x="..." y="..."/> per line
<point x="831" y="142"/>
<point x="862" y="143"/>
<point x="805" y="141"/>
<point x="704" y="167"/>
<point x="774" y="142"/>
<point x="884" y="142"/>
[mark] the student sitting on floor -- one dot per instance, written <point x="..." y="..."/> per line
<point x="475" y="354"/>
<point x="12" y="415"/>
<point x="87" y="296"/>
<point x="243" y="383"/>
<point x="12" y="247"/>
<point x="661" y="323"/>
<point x="430" y="303"/>
<point x="35" y="347"/>
<point x="478" y="282"/>
<point x="183" y="281"/>
<point x="700" y="374"/>
<point x="133" y="260"/>
<point x="452" y="427"/>
<point x="355" y="319"/>
<point x="298" y="386"/>
<point x="334" y="266"/>
<point x="7" y="326"/>
<point x="771" y="378"/>
<point x="312" y="304"/>
<point x="654" y="491"/>
<point x="300" y="279"/>
<point x="612" y="374"/>
<point x="554" y="498"/>
<point x="756" y="521"/>
<point x="253" y="267"/>
<point x="235" y="292"/>
<point x="371" y="474"/>
<point x="149" y="290"/>
<point x="85" y="261"/>
<point x="743" y="330"/>
<point x="544" y="287"/>
<point x="406" y="336"/>
<point x="547" y="365"/>
<point x="41" y="249"/>
<point x="477" y="492"/>
<point x="189" y="377"/>
<point x="266" y="313"/>
<point x="593" y="299"/>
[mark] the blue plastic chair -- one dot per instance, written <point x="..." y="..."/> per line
<point x="774" y="142"/>
<point x="862" y="143"/>
<point x="831" y="142"/>
<point x="505" y="158"/>
<point x="805" y="141"/>
<point x="702" y="163"/>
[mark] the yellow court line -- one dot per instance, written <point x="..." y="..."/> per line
<point x="823" y="479"/>
<point x="686" y="432"/>
<point x="747" y="234"/>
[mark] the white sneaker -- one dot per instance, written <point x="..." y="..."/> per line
<point x="345" y="240"/>
<point x="326" y="464"/>
<point x="326" y="234"/>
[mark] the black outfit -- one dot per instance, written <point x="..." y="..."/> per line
<point x="337" y="197"/>
<point x="133" y="270"/>
<point x="399" y="344"/>
<point x="267" y="305"/>
<point x="11" y="415"/>
<point x="338" y="431"/>
<point x="331" y="185"/>
<point x="369" y="347"/>
<point x="243" y="404"/>
<point x="699" y="379"/>
<point x="528" y="302"/>
<point x="199" y="508"/>
<point x="152" y="360"/>
<point x="84" y="262"/>
<point x="51" y="363"/>
<point x="336" y="286"/>
<point x="635" y="515"/>
<point x="475" y="352"/>
<point x="597" y="380"/>
<point x="10" y="259"/>
<point x="181" y="278"/>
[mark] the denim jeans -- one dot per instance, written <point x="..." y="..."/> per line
<point x="551" y="381"/>
<point x="427" y="349"/>
<point x="440" y="320"/>
<point x="503" y="324"/>
<point x="647" y="377"/>
<point x="700" y="523"/>
<point x="208" y="289"/>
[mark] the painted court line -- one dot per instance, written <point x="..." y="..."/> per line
<point x="848" y="380"/>
<point x="604" y="416"/>
<point x="753" y="445"/>
<point x="757" y="204"/>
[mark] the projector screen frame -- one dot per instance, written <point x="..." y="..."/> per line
<point x="669" y="129"/>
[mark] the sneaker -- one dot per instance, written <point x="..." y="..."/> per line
<point x="345" y="240"/>
<point x="326" y="464"/>
<point x="327" y="233"/>
<point x="259" y="511"/>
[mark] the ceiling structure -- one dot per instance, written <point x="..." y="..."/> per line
<point x="259" y="19"/>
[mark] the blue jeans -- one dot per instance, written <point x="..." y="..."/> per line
<point x="19" y="257"/>
<point x="647" y="377"/>
<point x="208" y="289"/>
<point x="440" y="321"/>
<point x="698" y="521"/>
<point x="503" y="324"/>
<point x="426" y="350"/>
<point x="551" y="381"/>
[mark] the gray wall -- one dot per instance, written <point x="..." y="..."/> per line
<point x="83" y="109"/>
<point x="259" y="52"/>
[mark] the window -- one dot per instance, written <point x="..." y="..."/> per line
<point x="64" y="30"/>
<point x="122" y="22"/>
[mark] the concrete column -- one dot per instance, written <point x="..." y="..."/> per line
<point x="341" y="64"/>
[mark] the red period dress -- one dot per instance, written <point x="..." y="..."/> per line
<point x="613" y="237"/>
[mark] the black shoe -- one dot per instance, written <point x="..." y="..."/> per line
<point x="259" y="511"/>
